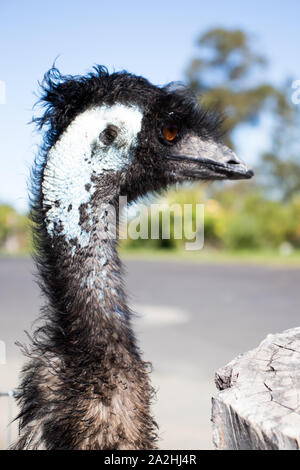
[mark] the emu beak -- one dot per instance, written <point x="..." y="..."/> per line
<point x="209" y="160"/>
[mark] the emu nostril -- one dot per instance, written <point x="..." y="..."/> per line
<point x="232" y="162"/>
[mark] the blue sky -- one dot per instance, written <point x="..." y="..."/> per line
<point x="155" y="39"/>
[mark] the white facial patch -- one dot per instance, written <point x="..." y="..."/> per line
<point x="79" y="154"/>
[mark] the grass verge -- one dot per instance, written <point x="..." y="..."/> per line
<point x="269" y="258"/>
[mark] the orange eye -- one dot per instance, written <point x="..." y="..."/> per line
<point x="170" y="131"/>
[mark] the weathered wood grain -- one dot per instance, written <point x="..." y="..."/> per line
<point x="258" y="406"/>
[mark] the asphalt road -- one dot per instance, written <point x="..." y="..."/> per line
<point x="193" y="319"/>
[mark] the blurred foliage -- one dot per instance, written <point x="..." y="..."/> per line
<point x="14" y="231"/>
<point x="251" y="221"/>
<point x="224" y="75"/>
<point x="235" y="219"/>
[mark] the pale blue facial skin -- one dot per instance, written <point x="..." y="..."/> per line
<point x="74" y="157"/>
<point x="71" y="162"/>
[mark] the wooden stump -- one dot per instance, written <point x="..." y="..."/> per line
<point x="258" y="406"/>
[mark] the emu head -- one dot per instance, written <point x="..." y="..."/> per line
<point x="111" y="135"/>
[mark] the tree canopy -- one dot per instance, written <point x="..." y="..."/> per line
<point x="225" y="74"/>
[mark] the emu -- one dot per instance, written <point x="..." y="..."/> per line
<point x="86" y="385"/>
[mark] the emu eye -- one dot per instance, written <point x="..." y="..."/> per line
<point x="170" y="131"/>
<point x="109" y="134"/>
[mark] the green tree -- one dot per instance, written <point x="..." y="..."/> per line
<point x="224" y="73"/>
<point x="14" y="230"/>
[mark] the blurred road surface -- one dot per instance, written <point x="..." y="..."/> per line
<point x="193" y="319"/>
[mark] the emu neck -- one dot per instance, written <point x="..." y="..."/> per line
<point x="86" y="386"/>
<point x="99" y="394"/>
<point x="81" y="176"/>
<point x="91" y="295"/>
<point x="81" y="217"/>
